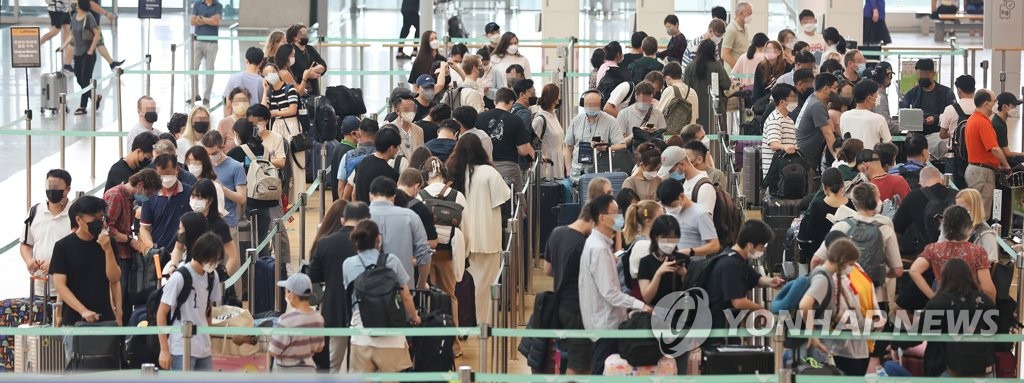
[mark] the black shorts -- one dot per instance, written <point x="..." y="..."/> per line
<point x="581" y="350"/>
<point x="60" y="19"/>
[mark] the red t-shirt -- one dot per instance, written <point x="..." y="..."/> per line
<point x="981" y="138"/>
<point x="937" y="254"/>
<point x="890" y="185"/>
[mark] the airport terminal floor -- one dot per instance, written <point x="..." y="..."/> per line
<point x="360" y="44"/>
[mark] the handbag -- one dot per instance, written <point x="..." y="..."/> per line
<point x="96" y="353"/>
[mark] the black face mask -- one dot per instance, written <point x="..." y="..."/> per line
<point x="144" y="162"/>
<point x="150" y="117"/>
<point x="54" y="195"/>
<point x="95" y="228"/>
<point x="201" y="126"/>
<point x="303" y="41"/>
<point x="924" y="82"/>
<point x="532" y="101"/>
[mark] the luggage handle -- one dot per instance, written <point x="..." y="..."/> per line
<point x="46" y="293"/>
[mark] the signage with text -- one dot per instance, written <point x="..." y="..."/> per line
<point x="150" y="9"/>
<point x="25" y="47"/>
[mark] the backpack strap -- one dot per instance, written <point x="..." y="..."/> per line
<point x="398" y="163"/>
<point x="675" y="90"/>
<point x="444" y="194"/>
<point x="543" y="130"/>
<point x="959" y="111"/>
<point x="382" y="260"/>
<point x="186" y="290"/>
<point x="248" y="152"/>
<point x="647" y="116"/>
<point x="28" y="221"/>
<point x="696" y="188"/>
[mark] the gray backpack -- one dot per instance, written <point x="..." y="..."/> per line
<point x="868" y="238"/>
<point x="678" y="112"/>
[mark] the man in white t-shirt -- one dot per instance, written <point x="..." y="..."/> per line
<point x="621" y="98"/>
<point x="674" y="81"/>
<point x="642" y="114"/>
<point x="46" y="224"/>
<point x="676" y="164"/>
<point x="808" y="33"/>
<point x="862" y="123"/>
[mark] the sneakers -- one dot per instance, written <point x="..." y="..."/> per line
<point x="193" y="100"/>
<point x="116" y="64"/>
<point x="68" y="70"/>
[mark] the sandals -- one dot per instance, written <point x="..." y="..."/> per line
<point x="79" y="111"/>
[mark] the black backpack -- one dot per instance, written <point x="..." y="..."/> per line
<point x="926" y="229"/>
<point x="728" y="217"/>
<point x="446" y="211"/>
<point x="153" y="303"/>
<point x="346" y="101"/>
<point x="968" y="358"/>
<point x="456" y="28"/>
<point x="379" y="299"/>
<point x="640" y="351"/>
<point x="913" y="177"/>
<point x="791" y="176"/>
<point x="325" y="121"/>
<point x="957" y="141"/>
<point x="612" y="78"/>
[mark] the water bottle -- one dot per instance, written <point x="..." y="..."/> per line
<point x="880" y="372"/>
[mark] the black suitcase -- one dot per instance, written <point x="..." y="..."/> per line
<point x="778" y="214"/>
<point x="314" y="159"/>
<point x="265" y="285"/>
<point x="737" y="360"/>
<point x="433" y="353"/>
<point x="551" y="193"/>
<point x="431" y="301"/>
<point x="567" y="213"/>
<point x="466" y="291"/>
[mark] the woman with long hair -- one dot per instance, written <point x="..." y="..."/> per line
<point x="85" y="33"/>
<point x="957" y="228"/>
<point x="747" y="64"/>
<point x="960" y="298"/>
<point x="283" y="100"/>
<point x="473" y="174"/>
<point x="204" y="205"/>
<point x="198" y="124"/>
<point x="982" y="234"/>
<point x="834" y="40"/>
<point x="429" y="52"/>
<point x="331" y="223"/>
<point x="507" y="54"/>
<point x="239" y="100"/>
<point x="644" y="180"/>
<point x="262" y="210"/>
<point x="285" y="59"/>
<point x="774" y="66"/>
<point x="815" y="225"/>
<point x="787" y="38"/>
<point x="662" y="268"/>
<point x="827" y="298"/>
<point x="307" y="59"/>
<point x="546" y="126"/>
<point x="198" y="162"/>
<point x="698" y="77"/>
<point x="274" y="41"/>
<point x="875" y="29"/>
<point x="637" y="230"/>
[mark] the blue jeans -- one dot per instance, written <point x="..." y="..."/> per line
<point x="198" y="364"/>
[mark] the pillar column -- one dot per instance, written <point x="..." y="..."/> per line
<point x="427" y="17"/>
<point x="846" y="16"/>
<point x="650" y="16"/>
<point x="559" y="20"/>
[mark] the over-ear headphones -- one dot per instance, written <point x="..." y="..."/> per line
<point x="589" y="91"/>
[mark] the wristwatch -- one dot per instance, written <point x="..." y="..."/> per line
<point x="692" y="253"/>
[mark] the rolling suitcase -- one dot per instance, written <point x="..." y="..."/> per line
<point x="567" y="213"/>
<point x="432" y="300"/>
<point x="737" y="360"/>
<point x="315" y="160"/>
<point x="779" y="215"/>
<point x="53" y="84"/>
<point x="616" y="178"/>
<point x="33" y="354"/>
<point x="750" y="176"/>
<point x="550" y="197"/>
<point x="266" y="284"/>
<point x="466" y="291"/>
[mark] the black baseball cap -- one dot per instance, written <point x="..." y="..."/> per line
<point x="925" y="64"/>
<point x="492" y="27"/>
<point x="1007" y="98"/>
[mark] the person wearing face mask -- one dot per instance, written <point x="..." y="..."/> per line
<point x="862" y="123"/>
<point x="198" y="124"/>
<point x="676" y="164"/>
<point x="561" y="261"/>
<point x="854" y="65"/>
<point x="933" y="99"/>
<point x="984" y="154"/>
<point x="492" y="32"/>
<point x="204" y="202"/>
<point x="876" y="32"/>
<point x="745" y="67"/>
<point x="283" y="101"/>
<point x="248" y="79"/>
<point x="882" y="74"/>
<point x="402" y="100"/>
<point x="422" y="97"/>
<point x="580" y="143"/>
<point x="198" y="162"/>
<point x="779" y="131"/>
<point x="198" y="275"/>
<point x="46" y="224"/>
<point x="733" y="276"/>
<point x="239" y="99"/>
<point x="736" y="40"/>
<point x="808" y="33"/>
<point x="787" y="38"/>
<point x="141" y="154"/>
<point x="506" y="54"/>
<point x="641" y="118"/>
<point x="470" y="92"/>
<point x="306" y="57"/>
<point x="663" y="270"/>
<point x="121" y="202"/>
<point x="835" y="276"/>
<point x="716" y="29"/>
<point x="768" y="72"/>
<point x="1006" y="104"/>
<point x="429" y="52"/>
<point x="698" y="236"/>
<point x="231" y="178"/>
<point x="294" y="354"/>
<point x="603" y="305"/>
<point x="85" y="271"/>
<point x="815" y="131"/>
<point x="162" y="212"/>
<point x="644" y="180"/>
<point x="147" y="116"/>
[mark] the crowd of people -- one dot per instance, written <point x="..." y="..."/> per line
<point x="425" y="191"/>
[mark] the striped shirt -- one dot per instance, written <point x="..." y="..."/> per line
<point x="282" y="99"/>
<point x="291" y="351"/>
<point x="777" y="128"/>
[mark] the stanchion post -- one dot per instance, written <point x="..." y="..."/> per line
<point x="120" y="117"/>
<point x="778" y="339"/>
<point x="323" y="182"/>
<point x="465" y="374"/>
<point x="495" y="321"/>
<point x="63" y="125"/>
<point x="303" y="200"/>
<point x="95" y="96"/>
<point x="28" y="159"/>
<point x="251" y="255"/>
<point x="174" y="49"/>
<point x="149" y="84"/>
<point x="485" y="332"/>
<point x="279" y="224"/>
<point x="187" y="331"/>
<point x="192" y="59"/>
<point x="1020" y="304"/>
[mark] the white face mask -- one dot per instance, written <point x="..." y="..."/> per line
<point x="716" y="39"/>
<point x="197" y="205"/>
<point x="513" y="49"/>
<point x="272" y="78"/>
<point x="791" y="44"/>
<point x="408" y="116"/>
<point x="210" y="267"/>
<point x="195" y="169"/>
<point x="791" y="106"/>
<point x="756" y="254"/>
<point x="239" y="108"/>
<point x="434" y="44"/>
<point x="810" y="28"/>
<point x="667" y="247"/>
<point x="643" y="106"/>
<point x="650" y="175"/>
<point x="217" y="158"/>
<point x="494" y="38"/>
<point x="706" y="141"/>
<point x="168" y="181"/>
